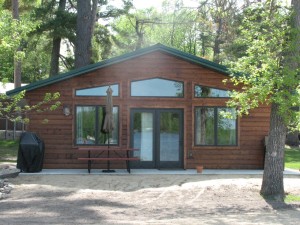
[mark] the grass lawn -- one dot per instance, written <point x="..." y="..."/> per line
<point x="292" y="158"/>
<point x="292" y="198"/>
<point x="8" y="150"/>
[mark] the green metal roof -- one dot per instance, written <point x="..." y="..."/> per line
<point x="118" y="59"/>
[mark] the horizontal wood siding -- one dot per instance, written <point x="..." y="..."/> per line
<point x="58" y="130"/>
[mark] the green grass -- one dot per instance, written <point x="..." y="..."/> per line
<point x="8" y="150"/>
<point x="292" y="198"/>
<point x="292" y="158"/>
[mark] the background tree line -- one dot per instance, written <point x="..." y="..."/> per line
<point x="59" y="35"/>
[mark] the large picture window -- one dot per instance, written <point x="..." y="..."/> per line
<point x="213" y="128"/>
<point x="157" y="87"/>
<point x="89" y="123"/>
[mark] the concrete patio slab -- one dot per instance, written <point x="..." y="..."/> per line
<point x="155" y="171"/>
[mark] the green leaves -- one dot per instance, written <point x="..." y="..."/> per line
<point x="12" y="34"/>
<point x="267" y="61"/>
<point x="266" y="33"/>
<point x="15" y="108"/>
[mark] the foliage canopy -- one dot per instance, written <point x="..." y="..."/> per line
<point x="267" y="36"/>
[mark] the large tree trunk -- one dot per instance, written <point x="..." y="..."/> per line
<point x="272" y="184"/>
<point x="216" y="48"/>
<point x="54" y="66"/>
<point x="140" y="33"/>
<point x="17" y="73"/>
<point x="86" y="18"/>
<point x="17" y="62"/>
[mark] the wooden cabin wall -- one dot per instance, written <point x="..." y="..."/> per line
<point x="58" y="132"/>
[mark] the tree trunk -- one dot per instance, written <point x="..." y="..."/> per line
<point x="54" y="66"/>
<point x="272" y="184"/>
<point x="139" y="32"/>
<point x="86" y="18"/>
<point x="203" y="45"/>
<point x="173" y="29"/>
<point x="17" y="62"/>
<point x="17" y="73"/>
<point x="216" y="48"/>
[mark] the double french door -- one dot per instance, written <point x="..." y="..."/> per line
<point x="158" y="134"/>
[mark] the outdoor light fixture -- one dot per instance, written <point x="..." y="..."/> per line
<point x="66" y="110"/>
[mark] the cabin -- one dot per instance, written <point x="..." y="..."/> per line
<point x="166" y="103"/>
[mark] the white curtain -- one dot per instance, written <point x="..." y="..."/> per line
<point x="146" y="137"/>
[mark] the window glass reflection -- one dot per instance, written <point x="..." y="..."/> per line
<point x="157" y="88"/>
<point x="226" y="127"/>
<point x="89" y="123"/>
<point x="208" y="92"/>
<point x="98" y="91"/>
<point x="205" y="126"/>
<point x="212" y="127"/>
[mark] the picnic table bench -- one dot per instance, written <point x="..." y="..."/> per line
<point x="98" y="154"/>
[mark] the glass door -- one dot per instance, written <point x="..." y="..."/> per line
<point x="142" y="135"/>
<point x="169" y="139"/>
<point x="157" y="133"/>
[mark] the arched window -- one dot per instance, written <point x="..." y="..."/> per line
<point x="157" y="87"/>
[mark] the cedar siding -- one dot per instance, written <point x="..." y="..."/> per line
<point x="59" y="133"/>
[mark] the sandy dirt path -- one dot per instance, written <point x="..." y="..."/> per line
<point x="144" y="199"/>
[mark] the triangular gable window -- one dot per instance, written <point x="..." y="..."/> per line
<point x="208" y="92"/>
<point x="157" y="87"/>
<point x="98" y="91"/>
